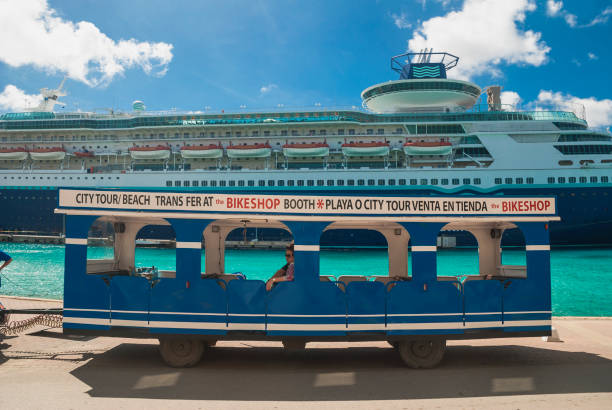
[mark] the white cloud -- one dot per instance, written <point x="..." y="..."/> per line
<point x="553" y="7"/>
<point x="570" y="19"/>
<point x="400" y="21"/>
<point x="601" y="18"/>
<point x="485" y="34"/>
<point x="592" y="56"/>
<point x="33" y="34"/>
<point x="598" y="112"/>
<point x="267" y="88"/>
<point x="511" y="98"/>
<point x="14" y="99"/>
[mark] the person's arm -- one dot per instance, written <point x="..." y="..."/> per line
<point x="5" y="264"/>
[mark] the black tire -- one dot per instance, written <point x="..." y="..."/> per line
<point x="423" y="354"/>
<point x="294" y="344"/>
<point x="181" y="351"/>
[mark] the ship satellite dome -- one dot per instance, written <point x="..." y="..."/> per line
<point x="138" y="106"/>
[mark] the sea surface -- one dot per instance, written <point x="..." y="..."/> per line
<point x="581" y="277"/>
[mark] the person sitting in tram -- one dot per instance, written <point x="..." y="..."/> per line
<point x="285" y="273"/>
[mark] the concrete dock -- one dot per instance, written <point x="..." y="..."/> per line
<point x="45" y="369"/>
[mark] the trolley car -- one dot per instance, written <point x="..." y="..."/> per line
<point x="414" y="309"/>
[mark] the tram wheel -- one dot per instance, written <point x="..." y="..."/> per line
<point x="294" y="344"/>
<point x="423" y="354"/>
<point x="181" y="352"/>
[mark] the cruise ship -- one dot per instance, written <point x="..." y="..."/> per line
<point x="422" y="134"/>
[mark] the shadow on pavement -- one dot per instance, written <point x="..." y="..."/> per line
<point x="359" y="373"/>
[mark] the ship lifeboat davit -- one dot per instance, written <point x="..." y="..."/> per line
<point x="306" y="150"/>
<point x="249" y="151"/>
<point x="365" y="149"/>
<point x="49" y="154"/>
<point x="202" y="151"/>
<point x="13" y="154"/>
<point x="157" y="152"/>
<point x="428" y="148"/>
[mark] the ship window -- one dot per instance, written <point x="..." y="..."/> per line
<point x="294" y="133"/>
<point x="350" y="182"/>
<point x="271" y="182"/>
<point x="281" y="182"/>
<point x="330" y="182"/>
<point x="402" y="181"/>
<point x="341" y="182"/>
<point x="228" y="134"/>
<point x="413" y="181"/>
<point x="322" y="132"/>
<point x="266" y="133"/>
<point x="222" y="183"/>
<point x="320" y="182"/>
<point x="477" y="181"/>
<point x="340" y="131"/>
<point x="290" y="182"/>
<point x="251" y="183"/>
<point x="583" y="180"/>
<point x="212" y="134"/>
<point x="370" y="182"/>
<point x="571" y="180"/>
<point x="261" y="182"/>
<point x="551" y="180"/>
<point x="370" y="131"/>
<point x="434" y="181"/>
<point x="519" y="180"/>
<point x="300" y="182"/>
<point x="593" y="180"/>
<point x="466" y="181"/>
<point x="529" y="180"/>
<point x="186" y="183"/>
<point x="444" y="181"/>
<point x="213" y="183"/>
<point x="240" y="183"/>
<point x="381" y="182"/>
<point x="565" y="162"/>
<point x="204" y="183"/>
<point x="177" y="183"/>
<point x="232" y="183"/>
<point x="284" y="133"/>
<point x="310" y="182"/>
<point x="604" y="179"/>
<point x="508" y="180"/>
<point x="423" y="181"/>
<point x="561" y="180"/>
<point x="498" y="181"/>
<point x="238" y="133"/>
<point x="380" y="131"/>
<point x="195" y="183"/>
<point x="311" y="132"/>
<point x="351" y="132"/>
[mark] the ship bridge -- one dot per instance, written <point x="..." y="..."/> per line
<point x="422" y="86"/>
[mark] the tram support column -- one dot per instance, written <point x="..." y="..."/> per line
<point x="423" y="236"/>
<point x="537" y="247"/>
<point x="189" y="247"/>
<point x="306" y="237"/>
<point x="397" y="244"/>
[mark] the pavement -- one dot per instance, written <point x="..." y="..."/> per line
<point x="45" y="369"/>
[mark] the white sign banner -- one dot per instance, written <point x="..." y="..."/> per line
<point x="291" y="204"/>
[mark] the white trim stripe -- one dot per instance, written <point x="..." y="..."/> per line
<point x="76" y="241"/>
<point x="527" y="312"/>
<point x="306" y="248"/>
<point x="86" y="321"/>
<point x="537" y="247"/>
<point x="312" y="327"/>
<point x="515" y="323"/>
<point x="425" y="326"/>
<point x="246" y="326"/>
<point x="424" y="314"/>
<point x="189" y="245"/>
<point x="331" y="218"/>
<point x="188" y="325"/>
<point x="306" y="315"/>
<point x="369" y="326"/>
<point x="420" y="248"/>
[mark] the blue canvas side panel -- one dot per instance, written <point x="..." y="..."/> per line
<point x="483" y="304"/>
<point x="307" y="308"/>
<point x="366" y="305"/>
<point x="130" y="301"/>
<point x="246" y="305"/>
<point x="424" y="308"/>
<point x="197" y="308"/>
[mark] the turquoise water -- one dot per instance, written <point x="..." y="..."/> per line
<point x="581" y="278"/>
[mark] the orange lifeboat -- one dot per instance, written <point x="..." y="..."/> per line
<point x="202" y="151"/>
<point x="53" y="154"/>
<point x="316" y="149"/>
<point x="366" y="149"/>
<point x="249" y="151"/>
<point x="157" y="152"/>
<point x="428" y="148"/>
<point x="13" y="154"/>
<point x="83" y="154"/>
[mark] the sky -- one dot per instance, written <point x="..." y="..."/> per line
<point x="246" y="55"/>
